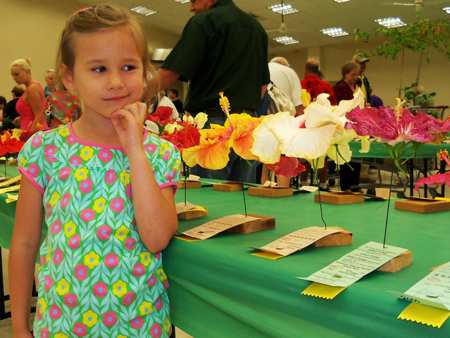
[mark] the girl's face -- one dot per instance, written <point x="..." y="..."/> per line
<point x="108" y="72"/>
<point x="351" y="77"/>
<point x="19" y="75"/>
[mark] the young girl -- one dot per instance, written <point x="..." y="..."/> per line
<point x="107" y="188"/>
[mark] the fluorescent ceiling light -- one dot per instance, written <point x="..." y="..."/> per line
<point x="446" y="10"/>
<point x="182" y="1"/>
<point x="334" y="32"/>
<point x="143" y="10"/>
<point x="341" y="1"/>
<point x="285" y="9"/>
<point x="286" y="40"/>
<point x="391" y="22"/>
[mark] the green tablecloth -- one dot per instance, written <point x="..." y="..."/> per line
<point x="377" y="150"/>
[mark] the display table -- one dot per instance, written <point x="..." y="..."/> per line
<point x="218" y="289"/>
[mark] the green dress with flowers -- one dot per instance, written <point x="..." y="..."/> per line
<point x="96" y="278"/>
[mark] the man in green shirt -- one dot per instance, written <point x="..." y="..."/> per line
<point x="221" y="49"/>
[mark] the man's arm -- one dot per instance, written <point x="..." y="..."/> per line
<point x="167" y="78"/>
<point x="263" y="91"/>
<point x="299" y="110"/>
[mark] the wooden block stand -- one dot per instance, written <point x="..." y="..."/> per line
<point x="422" y="206"/>
<point x="398" y="263"/>
<point x="9" y="178"/>
<point x="264" y="223"/>
<point x="11" y="163"/>
<point x="193" y="214"/>
<point x="270" y="192"/>
<point x="340" y="238"/>
<point x="189" y="184"/>
<point x="339" y="197"/>
<point x="228" y="186"/>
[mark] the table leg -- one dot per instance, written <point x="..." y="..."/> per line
<point x="411" y="178"/>
<point x="425" y="171"/>
<point x="3" y="297"/>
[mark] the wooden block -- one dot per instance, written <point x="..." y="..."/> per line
<point x="398" y="263"/>
<point x="340" y="238"/>
<point x="10" y="178"/>
<point x="432" y="269"/>
<point x="193" y="214"/>
<point x="11" y="163"/>
<point x="270" y="192"/>
<point x="264" y="223"/>
<point x="422" y="206"/>
<point x="189" y="184"/>
<point x="340" y="197"/>
<point x="228" y="186"/>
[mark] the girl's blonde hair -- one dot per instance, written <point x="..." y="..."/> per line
<point x="98" y="18"/>
<point x="23" y="64"/>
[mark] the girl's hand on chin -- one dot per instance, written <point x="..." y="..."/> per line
<point x="128" y="123"/>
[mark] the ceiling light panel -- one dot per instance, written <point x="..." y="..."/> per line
<point x="334" y="32"/>
<point x="391" y="22"/>
<point x="182" y="1"/>
<point x="284" y="9"/>
<point x="143" y="10"/>
<point x="286" y="40"/>
<point x="341" y="1"/>
<point x="446" y="10"/>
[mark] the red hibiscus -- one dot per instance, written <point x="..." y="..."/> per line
<point x="287" y="167"/>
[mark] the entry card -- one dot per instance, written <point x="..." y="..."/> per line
<point x="216" y="226"/>
<point x="355" y="265"/>
<point x="12" y="198"/>
<point x="295" y="241"/>
<point x="433" y="290"/>
<point x="11" y="189"/>
<point x="182" y="207"/>
<point x="11" y="181"/>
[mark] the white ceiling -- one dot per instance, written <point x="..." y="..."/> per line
<point x="303" y="26"/>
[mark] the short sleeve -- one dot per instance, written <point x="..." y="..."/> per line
<point x="32" y="162"/>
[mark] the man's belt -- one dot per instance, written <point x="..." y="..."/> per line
<point x="217" y="112"/>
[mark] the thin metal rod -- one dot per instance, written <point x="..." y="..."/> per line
<point x="243" y="190"/>
<point x="389" y="203"/>
<point x="320" y="197"/>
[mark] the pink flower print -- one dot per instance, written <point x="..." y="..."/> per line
<point x="117" y="204"/>
<point x="80" y="329"/>
<point x="128" y="299"/>
<point x="65" y="200"/>
<point x="50" y="152"/>
<point x="129" y="192"/>
<point x="104" y="232"/>
<point x="48" y="178"/>
<point x="49" y="209"/>
<point x="111" y="176"/>
<point x="64" y="173"/>
<point x="45" y="333"/>
<point x="166" y="156"/>
<point x="100" y="289"/>
<point x="75" y="160"/>
<point x="71" y="300"/>
<point x="111" y="260"/>
<point x="55" y="312"/>
<point x="86" y="185"/>
<point x="74" y="242"/>
<point x="151" y="281"/>
<point x="137" y="322"/>
<point x="48" y="282"/>
<point x="138" y="270"/>
<point x="158" y="255"/>
<point x="166" y="283"/>
<point x="105" y="155"/>
<point x="158" y="303"/>
<point x="70" y="140"/>
<point x="56" y="227"/>
<point x="129" y="243"/>
<point x="87" y="215"/>
<point x="81" y="272"/>
<point x="150" y="148"/>
<point x="43" y="260"/>
<point x="33" y="170"/>
<point x="37" y="141"/>
<point x="58" y="256"/>
<point x="110" y="318"/>
<point x="171" y="175"/>
<point x="155" y="330"/>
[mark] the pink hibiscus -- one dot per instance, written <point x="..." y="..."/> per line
<point x="287" y="167"/>
<point x="438" y="178"/>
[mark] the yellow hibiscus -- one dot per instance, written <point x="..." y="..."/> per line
<point x="91" y="260"/>
<point x="90" y="318"/>
<point x="99" y="205"/>
<point x="119" y="288"/>
<point x="122" y="232"/>
<point x="146" y="308"/>
<point x="63" y="287"/>
<point x="125" y="177"/>
<point x="146" y="258"/>
<point x="69" y="229"/>
<point x="81" y="174"/>
<point x="86" y="153"/>
<point x="16" y="133"/>
<point x="54" y="199"/>
<point x="243" y="134"/>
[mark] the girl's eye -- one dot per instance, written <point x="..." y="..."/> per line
<point x="129" y="67"/>
<point x="99" y="69"/>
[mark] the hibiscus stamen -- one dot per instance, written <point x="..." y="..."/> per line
<point x="443" y="156"/>
<point x="398" y="110"/>
<point x="225" y="105"/>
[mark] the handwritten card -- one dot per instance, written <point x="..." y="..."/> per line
<point x="355" y="265"/>
<point x="11" y="181"/>
<point x="12" y="198"/>
<point x="295" y="241"/>
<point x="11" y="189"/>
<point x="182" y="207"/>
<point x="216" y="226"/>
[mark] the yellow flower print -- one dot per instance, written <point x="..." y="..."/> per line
<point x="48" y="254"/>
<point x="91" y="260"/>
<point x="146" y="308"/>
<point x="22" y="162"/>
<point x="99" y="205"/>
<point x="166" y="324"/>
<point x="54" y="199"/>
<point x="122" y="232"/>
<point x="64" y="131"/>
<point x="164" y="148"/>
<point x="125" y="177"/>
<point x="60" y="335"/>
<point x="81" y="174"/>
<point x="119" y="288"/>
<point x="86" y="153"/>
<point x="121" y="336"/>
<point x="63" y="287"/>
<point x="90" y="318"/>
<point x="69" y="229"/>
<point x="146" y="258"/>
<point x="177" y="164"/>
<point x="161" y="274"/>
<point x="43" y="305"/>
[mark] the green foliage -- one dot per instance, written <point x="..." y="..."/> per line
<point x="7" y="124"/>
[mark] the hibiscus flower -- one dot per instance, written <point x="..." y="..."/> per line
<point x="438" y="178"/>
<point x="11" y="143"/>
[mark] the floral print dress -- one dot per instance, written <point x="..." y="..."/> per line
<point x="96" y="278"/>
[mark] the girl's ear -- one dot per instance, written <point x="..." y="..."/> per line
<point x="67" y="78"/>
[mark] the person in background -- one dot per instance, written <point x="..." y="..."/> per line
<point x="50" y="79"/>
<point x="376" y="101"/>
<point x="32" y="104"/>
<point x="173" y="95"/>
<point x="422" y="98"/>
<point x="221" y="49"/>
<point x="362" y="81"/>
<point x="2" y="106"/>
<point x="10" y="108"/>
<point x="164" y="101"/>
